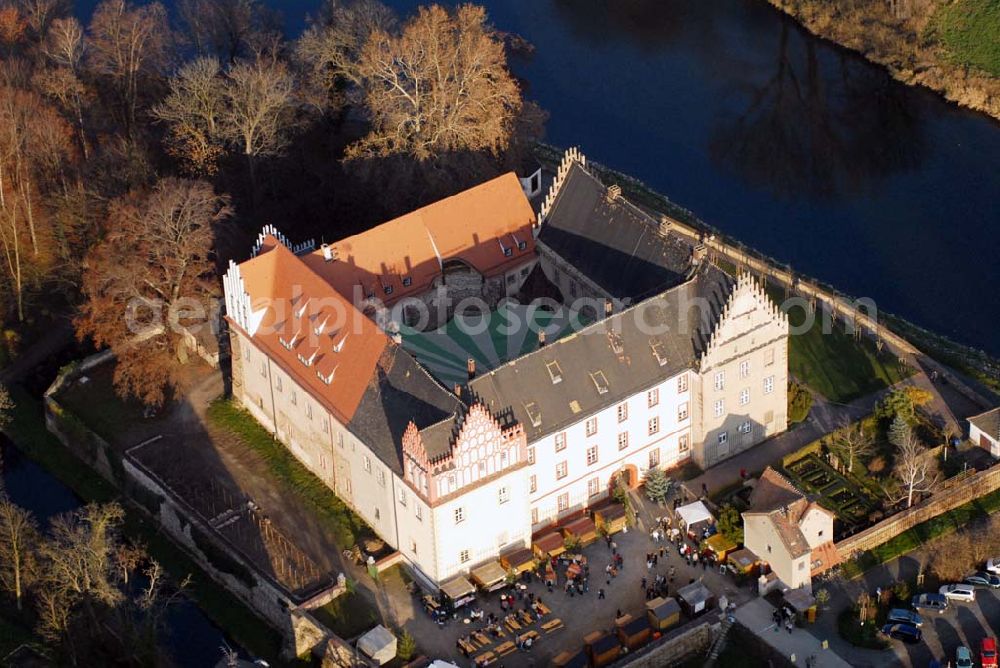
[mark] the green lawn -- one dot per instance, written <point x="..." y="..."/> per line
<point x="836" y="365"/>
<point x="348" y="615"/>
<point x="969" y="30"/>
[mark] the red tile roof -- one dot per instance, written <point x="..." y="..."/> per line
<point x="310" y="331"/>
<point x="474" y="226"/>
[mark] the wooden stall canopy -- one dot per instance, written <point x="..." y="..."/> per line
<point x="459" y="590"/>
<point x="570" y="659"/>
<point x="583" y="529"/>
<point x="551" y="545"/>
<point x="603" y="648"/>
<point x="518" y="561"/>
<point x="743" y="561"/>
<point x="490" y="576"/>
<point x="663" y="613"/>
<point x="720" y="545"/>
<point x="634" y="633"/>
<point x="611" y="519"/>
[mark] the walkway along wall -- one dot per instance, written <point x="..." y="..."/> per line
<point x="955" y="492"/>
<point x="220" y="561"/>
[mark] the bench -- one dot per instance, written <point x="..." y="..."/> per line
<point x="530" y="635"/>
<point x="504" y="649"/>
<point x="553" y="625"/>
<point x="484" y="659"/>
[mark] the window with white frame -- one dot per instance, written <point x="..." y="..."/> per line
<point x="654" y="425"/>
<point x="368" y="464"/>
<point x="593" y="487"/>
<point x="532" y="484"/>
<point x="744" y="396"/>
<point x="563" y="502"/>
<point x="654" y="458"/>
<point x="417" y="512"/>
<point x="682" y="443"/>
<point x="560" y="441"/>
<point x="746" y="427"/>
<point x="682" y="412"/>
<point x="459" y="515"/>
<point x="622" y="412"/>
<point x="723" y="437"/>
<point x="720" y="380"/>
<point x="463" y="556"/>
<point x="623" y="440"/>
<point x="591" y="455"/>
<point x="246" y="353"/>
<point x="769" y="385"/>
<point x="277" y="383"/>
<point x="503" y="494"/>
<point x="592" y="426"/>
<point x="653" y="397"/>
<point x="295" y="399"/>
<point x="744" y="368"/>
<point x="402" y="497"/>
<point x="531" y="455"/>
<point x="682" y="383"/>
<point x="340" y="438"/>
<point x="263" y="368"/>
<point x="534" y="515"/>
<point x="562" y="470"/>
<point x="326" y="425"/>
<point x="309" y="411"/>
<point x="380" y="476"/>
<point x="719" y="407"/>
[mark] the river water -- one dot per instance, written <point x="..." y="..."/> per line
<point x="192" y="639"/>
<point x="788" y="143"/>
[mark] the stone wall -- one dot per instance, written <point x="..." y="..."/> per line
<point x="955" y="492"/>
<point x="678" y="645"/>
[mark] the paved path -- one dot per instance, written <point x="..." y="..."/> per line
<point x="756" y="616"/>
<point x="824" y="418"/>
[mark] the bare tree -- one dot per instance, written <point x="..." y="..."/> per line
<point x="194" y="111"/>
<point x="852" y="442"/>
<point x="149" y="277"/>
<point x="18" y="539"/>
<point x="259" y="108"/>
<point x="39" y="14"/>
<point x="913" y="469"/>
<point x="64" y="47"/>
<point x="329" y="51"/>
<point x="229" y="29"/>
<point x="129" y="43"/>
<point x="441" y="85"/>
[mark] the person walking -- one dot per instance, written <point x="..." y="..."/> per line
<point x="600" y="593"/>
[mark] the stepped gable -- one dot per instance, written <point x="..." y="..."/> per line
<point x="611" y="241"/>
<point x="604" y="363"/>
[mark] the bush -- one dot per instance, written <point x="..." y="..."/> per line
<point x="731" y="524"/>
<point x="799" y="402"/>
<point x="851" y="630"/>
<point x="406" y="646"/>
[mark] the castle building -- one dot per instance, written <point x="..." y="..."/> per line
<point x="343" y="352"/>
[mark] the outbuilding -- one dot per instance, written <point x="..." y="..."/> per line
<point x="663" y="613"/>
<point x="695" y="598"/>
<point x="379" y="645"/>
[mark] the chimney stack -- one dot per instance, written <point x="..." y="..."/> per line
<point x="608" y="307"/>
<point x="458" y="390"/>
<point x="541" y="338"/>
<point x="471" y="366"/>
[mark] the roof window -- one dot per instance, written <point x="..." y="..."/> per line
<point x="534" y="414"/>
<point x="555" y="373"/>
<point x="659" y="352"/>
<point x="600" y="382"/>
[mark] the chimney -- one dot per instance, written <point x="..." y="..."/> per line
<point x="664" y="226"/>
<point x="328" y="254"/>
<point x="613" y="193"/>
<point x="458" y="390"/>
<point x="541" y="338"/>
<point x="471" y="366"/>
<point x="608" y="307"/>
<point x="700" y="253"/>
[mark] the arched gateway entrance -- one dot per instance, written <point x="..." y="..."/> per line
<point x="629" y="476"/>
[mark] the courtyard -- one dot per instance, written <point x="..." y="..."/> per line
<point x="579" y="614"/>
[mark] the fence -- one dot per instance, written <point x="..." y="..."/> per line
<point x="956" y="492"/>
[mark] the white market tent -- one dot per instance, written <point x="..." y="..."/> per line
<point x="379" y="644"/>
<point x="693" y="513"/>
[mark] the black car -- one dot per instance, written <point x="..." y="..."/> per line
<point x="905" y="632"/>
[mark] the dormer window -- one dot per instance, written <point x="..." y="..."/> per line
<point x="339" y="345"/>
<point x="387" y="289"/>
<point x="328" y="378"/>
<point x="507" y="252"/>
<point x="522" y="245"/>
<point x="299" y="312"/>
<point x="318" y="329"/>
<point x="555" y="373"/>
<point x="308" y="361"/>
<point x="407" y="281"/>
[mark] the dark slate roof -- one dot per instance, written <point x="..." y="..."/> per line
<point x="615" y="244"/>
<point x="524" y="388"/>
<point x="400" y="391"/>
<point x="988" y="422"/>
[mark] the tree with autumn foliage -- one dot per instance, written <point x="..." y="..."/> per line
<point x="440" y="85"/>
<point x="150" y="276"/>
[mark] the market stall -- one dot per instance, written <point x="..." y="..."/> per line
<point x="743" y="562"/>
<point x="720" y="546"/>
<point x="570" y="659"/>
<point x="490" y="576"/>
<point x="549" y="545"/>
<point x="695" y="519"/>
<point x="634" y="633"/>
<point x="519" y="561"/>
<point x="663" y="613"/>
<point x="695" y="598"/>
<point x="459" y="591"/>
<point x="581" y="529"/>
<point x="602" y="648"/>
<point x="611" y="519"/>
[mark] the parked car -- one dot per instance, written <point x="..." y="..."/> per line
<point x="930" y="601"/>
<point x="905" y="632"/>
<point x="983" y="579"/>
<point x="993" y="565"/>
<point x="901" y="616"/>
<point x="988" y="653"/>
<point x="963" y="657"/>
<point x="958" y="592"/>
